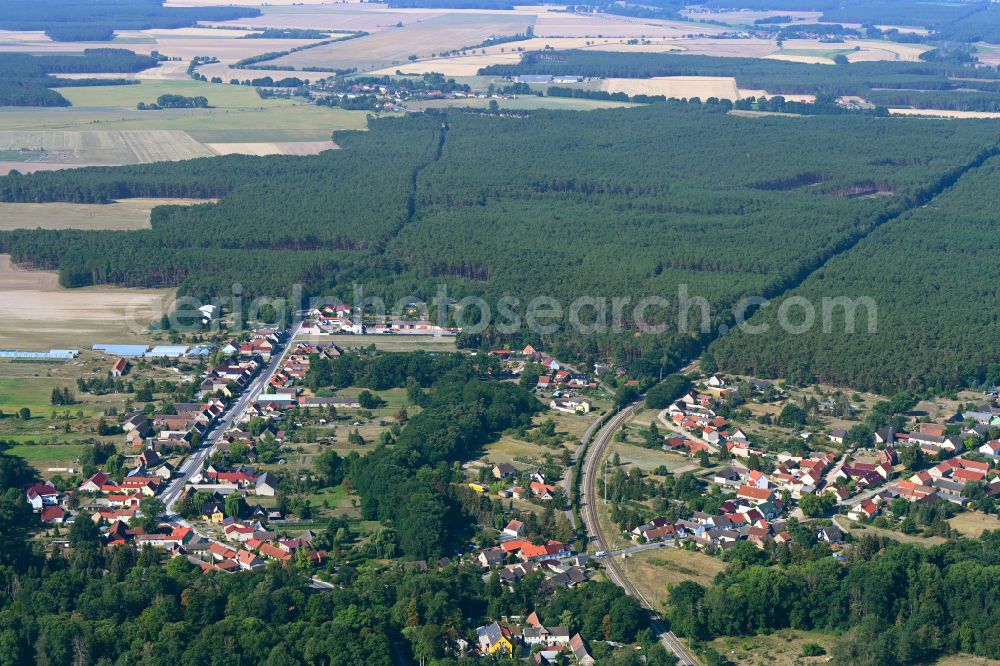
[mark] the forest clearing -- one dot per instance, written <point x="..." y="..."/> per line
<point x="118" y="216"/>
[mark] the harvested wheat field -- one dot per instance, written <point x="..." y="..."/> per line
<point x="392" y="47"/>
<point x="608" y="25"/>
<point x="41" y="315"/>
<point x="226" y="45"/>
<point x="369" y="18"/>
<point x="747" y="17"/>
<point x="264" y="149"/>
<point x="510" y="53"/>
<point x="945" y="113"/>
<point x="101" y="148"/>
<point x="118" y="216"/>
<point x="226" y="73"/>
<point x="736" y="48"/>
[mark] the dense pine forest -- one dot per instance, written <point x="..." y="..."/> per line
<point x="97" y="20"/>
<point x="934" y="275"/>
<point x="615" y="203"/>
<point x="25" y="79"/>
<point x="917" y="84"/>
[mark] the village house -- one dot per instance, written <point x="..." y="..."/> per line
<point x="579" y="649"/>
<point x="755" y="495"/>
<point x="41" y="495"/>
<point x="491" y="557"/>
<point x="494" y="637"/>
<point x="830" y="534"/>
<point x="513" y="530"/>
<point x="991" y="448"/>
<point x="542" y="491"/>
<point x="867" y="509"/>
<point x="503" y="470"/>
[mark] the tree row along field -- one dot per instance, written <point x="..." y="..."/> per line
<point x="917" y="84"/>
<point x="25" y="80"/>
<point x="614" y="203"/>
<point x="72" y="20"/>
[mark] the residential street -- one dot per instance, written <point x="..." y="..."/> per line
<point x="195" y="461"/>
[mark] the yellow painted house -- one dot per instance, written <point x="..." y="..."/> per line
<point x="214" y="513"/>
<point x="494" y="637"/>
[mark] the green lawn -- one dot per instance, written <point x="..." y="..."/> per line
<point x="35" y="393"/>
<point x="47" y="453"/>
<point x="220" y="95"/>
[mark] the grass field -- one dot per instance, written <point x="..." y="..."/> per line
<point x="654" y="571"/>
<point x="104" y="127"/>
<point x="395" y="46"/>
<point x="857" y="529"/>
<point x="19" y="387"/>
<point x="649" y="459"/>
<point x="118" y="216"/>
<point x="388" y="343"/>
<point x="223" y="96"/>
<point x="782" y="648"/>
<point x="41" y="315"/>
<point x="47" y="453"/>
<point x="973" y="524"/>
<point x="825" y="54"/>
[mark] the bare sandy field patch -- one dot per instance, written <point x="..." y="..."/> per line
<point x="118" y="216"/>
<point x="172" y="70"/>
<point x="7" y="166"/>
<point x="40" y="314"/>
<point x="676" y="86"/>
<point x="804" y="59"/>
<point x="263" y="149"/>
<point x="23" y="36"/>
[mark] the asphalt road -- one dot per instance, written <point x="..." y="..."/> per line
<point x="195" y="461"/>
<point x="589" y="502"/>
